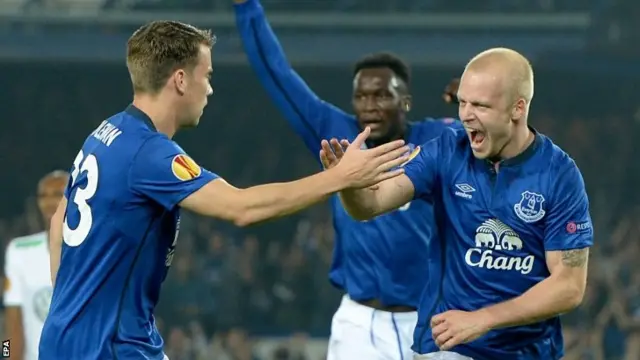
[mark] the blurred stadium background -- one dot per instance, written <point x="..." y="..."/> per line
<point x="262" y="293"/>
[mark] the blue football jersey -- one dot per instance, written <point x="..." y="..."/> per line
<point x="119" y="235"/>
<point x="387" y="258"/>
<point x="496" y="228"/>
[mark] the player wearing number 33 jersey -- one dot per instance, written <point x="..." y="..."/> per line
<point x="119" y="232"/>
<point x="113" y="234"/>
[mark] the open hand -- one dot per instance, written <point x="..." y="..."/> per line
<point x="332" y="151"/>
<point x="364" y="167"/>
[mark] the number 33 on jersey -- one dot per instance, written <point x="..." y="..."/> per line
<point x="84" y="169"/>
<point x="120" y="230"/>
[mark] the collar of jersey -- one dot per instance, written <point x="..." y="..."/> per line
<point x="140" y="115"/>
<point x="523" y="156"/>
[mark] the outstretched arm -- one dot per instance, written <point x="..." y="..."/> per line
<point x="263" y="202"/>
<point x="421" y="173"/>
<point x="163" y="173"/>
<point x="311" y="117"/>
<point x="367" y="203"/>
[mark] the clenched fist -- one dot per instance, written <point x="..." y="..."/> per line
<point x="450" y="95"/>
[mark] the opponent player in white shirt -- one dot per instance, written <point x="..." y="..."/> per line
<point x="28" y="287"/>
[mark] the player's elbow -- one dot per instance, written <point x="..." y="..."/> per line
<point x="237" y="214"/>
<point x="252" y="215"/>
<point x="244" y="213"/>
<point x="357" y="211"/>
<point x="573" y="295"/>
<point x="361" y="215"/>
<point x="365" y="213"/>
<point x="245" y="219"/>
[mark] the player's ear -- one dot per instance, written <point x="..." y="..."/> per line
<point x="180" y="80"/>
<point x="406" y="103"/>
<point x="519" y="109"/>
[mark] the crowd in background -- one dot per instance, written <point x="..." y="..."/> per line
<point x="229" y="286"/>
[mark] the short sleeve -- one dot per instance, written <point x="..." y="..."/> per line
<point x="423" y="166"/>
<point x="568" y="224"/>
<point x="163" y="172"/>
<point x="13" y="279"/>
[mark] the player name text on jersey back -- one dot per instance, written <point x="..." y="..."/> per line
<point x="106" y="133"/>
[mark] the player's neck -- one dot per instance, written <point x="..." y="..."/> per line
<point x="384" y="140"/>
<point x="160" y="112"/>
<point x="393" y="135"/>
<point x="521" y="140"/>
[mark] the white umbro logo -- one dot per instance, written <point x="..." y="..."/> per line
<point x="464" y="190"/>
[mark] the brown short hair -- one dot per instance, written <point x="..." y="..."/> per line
<point x="159" y="48"/>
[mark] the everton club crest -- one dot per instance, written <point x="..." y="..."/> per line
<point x="529" y="209"/>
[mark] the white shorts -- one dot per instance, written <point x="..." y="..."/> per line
<point x="360" y="332"/>
<point x="441" y="355"/>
